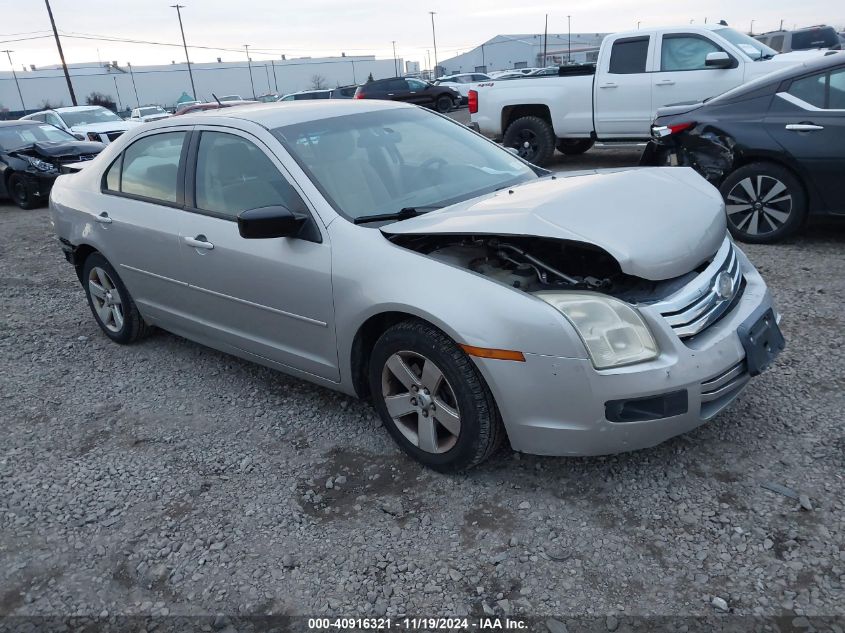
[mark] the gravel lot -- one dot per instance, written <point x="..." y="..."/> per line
<point x="168" y="478"/>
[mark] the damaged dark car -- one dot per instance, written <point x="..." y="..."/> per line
<point x="32" y="155"/>
<point x="774" y="147"/>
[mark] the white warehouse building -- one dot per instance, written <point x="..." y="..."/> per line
<point x="164" y="85"/>
<point x="505" y="52"/>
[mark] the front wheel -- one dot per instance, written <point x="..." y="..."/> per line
<point x="19" y="192"/>
<point x="764" y="202"/>
<point x="532" y="138"/>
<point x="444" y="104"/>
<point x="432" y="399"/>
<point x="574" y="146"/>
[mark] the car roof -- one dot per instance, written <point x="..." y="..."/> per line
<point x="273" y="115"/>
<point x="77" y="108"/>
<point x="20" y="122"/>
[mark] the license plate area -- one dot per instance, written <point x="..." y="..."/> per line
<point x="762" y="339"/>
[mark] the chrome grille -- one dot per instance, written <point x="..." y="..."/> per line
<point x="703" y="302"/>
<point x="724" y="383"/>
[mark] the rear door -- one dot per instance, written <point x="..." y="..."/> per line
<point x="623" y="106"/>
<point x="681" y="75"/>
<point x="807" y="119"/>
<point x="269" y="297"/>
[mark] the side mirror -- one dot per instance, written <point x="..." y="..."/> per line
<point x="79" y="137"/>
<point x="268" y="222"/>
<point x="719" y="59"/>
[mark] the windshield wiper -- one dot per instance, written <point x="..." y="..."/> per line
<point x="403" y="214"/>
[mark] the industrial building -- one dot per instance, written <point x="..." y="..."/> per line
<point x="504" y="52"/>
<point x="129" y="85"/>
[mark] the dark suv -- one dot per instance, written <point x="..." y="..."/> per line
<point x="409" y="90"/>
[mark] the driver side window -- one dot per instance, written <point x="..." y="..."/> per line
<point x="234" y="175"/>
<point x="685" y="52"/>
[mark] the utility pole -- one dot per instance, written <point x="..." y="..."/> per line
<point x="545" y="40"/>
<point x="569" y="45"/>
<point x="638" y="25"/>
<point x="275" y="82"/>
<point x="134" y="87"/>
<point x="179" y="8"/>
<point x="15" y="75"/>
<point x="117" y="90"/>
<point x="395" y="67"/>
<point x="751" y="30"/>
<point x="434" y="41"/>
<point x="249" y="65"/>
<point x="781" y="26"/>
<point x="61" y="54"/>
<point x="483" y="59"/>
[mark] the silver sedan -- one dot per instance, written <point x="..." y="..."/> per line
<point x="387" y="252"/>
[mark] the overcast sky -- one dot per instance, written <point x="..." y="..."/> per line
<point x="328" y="27"/>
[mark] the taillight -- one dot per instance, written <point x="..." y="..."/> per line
<point x="472" y="101"/>
<point x="679" y="127"/>
<point x="358" y="94"/>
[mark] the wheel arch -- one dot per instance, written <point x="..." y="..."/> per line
<point x="511" y="113"/>
<point x="81" y="253"/>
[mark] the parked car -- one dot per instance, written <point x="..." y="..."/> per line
<point x="231" y="98"/>
<point x="462" y="83"/>
<point x="185" y="104"/>
<point x="416" y="91"/>
<point x="270" y="97"/>
<point x="506" y="76"/>
<point x="145" y="114"/>
<point x="306" y="95"/>
<point x="32" y="155"/>
<point x="774" y="147"/>
<point x="820" y="36"/>
<point x="344" y="92"/>
<point x="522" y="71"/>
<point x="87" y="123"/>
<point x="637" y="72"/>
<point x="201" y="107"/>
<point x="389" y="252"/>
<point x="550" y="71"/>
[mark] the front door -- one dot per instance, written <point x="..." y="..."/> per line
<point x="269" y="297"/>
<point x="622" y="104"/>
<point x="808" y="121"/>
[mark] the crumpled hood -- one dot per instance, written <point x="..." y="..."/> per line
<point x="47" y="149"/>
<point x="658" y="223"/>
<point x="109" y="126"/>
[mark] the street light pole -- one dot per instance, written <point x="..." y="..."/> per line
<point x="545" y="40"/>
<point x="395" y="67"/>
<point x="179" y="8"/>
<point x="434" y="41"/>
<point x="569" y="45"/>
<point x="61" y="53"/>
<point x="15" y="75"/>
<point x="249" y="65"/>
<point x="134" y="87"/>
<point x="751" y="30"/>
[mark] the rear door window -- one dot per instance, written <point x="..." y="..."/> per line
<point x="150" y="167"/>
<point x="810" y="89"/>
<point x="629" y="56"/>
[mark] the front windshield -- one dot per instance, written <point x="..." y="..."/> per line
<point x="149" y="111"/>
<point x="380" y="162"/>
<point x="13" y="137"/>
<point x="748" y="45"/>
<point x="87" y="117"/>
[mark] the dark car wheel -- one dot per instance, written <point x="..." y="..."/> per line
<point x="109" y="300"/>
<point x="432" y="399"/>
<point x="764" y="202"/>
<point x="532" y="138"/>
<point x="574" y="146"/>
<point x="19" y="192"/>
<point x="443" y="104"/>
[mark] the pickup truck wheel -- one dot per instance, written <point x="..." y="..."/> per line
<point x="532" y="138"/>
<point x="574" y="146"/>
<point x="764" y="202"/>
<point x="432" y="399"/>
<point x="444" y="104"/>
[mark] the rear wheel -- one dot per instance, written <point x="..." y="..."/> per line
<point x="574" y="146"/>
<point x="764" y="202"/>
<point x="432" y="399"/>
<point x="532" y="138"/>
<point x="19" y="192"/>
<point x="444" y="104"/>
<point x="110" y="303"/>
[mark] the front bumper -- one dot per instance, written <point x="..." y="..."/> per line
<point x="564" y="406"/>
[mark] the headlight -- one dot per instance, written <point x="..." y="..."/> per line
<point x="40" y="165"/>
<point x="613" y="332"/>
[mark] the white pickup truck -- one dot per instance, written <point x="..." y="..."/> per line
<point x="636" y="73"/>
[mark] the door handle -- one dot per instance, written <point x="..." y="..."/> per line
<point x="803" y="127"/>
<point x="199" y="242"/>
<point x="103" y="218"/>
<point x="390" y="94"/>
<point x="607" y="86"/>
<point x="666" y="82"/>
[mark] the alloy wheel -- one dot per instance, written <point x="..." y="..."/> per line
<point x="758" y="205"/>
<point x="106" y="299"/>
<point x="527" y="145"/>
<point x="421" y="402"/>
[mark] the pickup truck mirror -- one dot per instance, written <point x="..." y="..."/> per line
<point x="718" y="59"/>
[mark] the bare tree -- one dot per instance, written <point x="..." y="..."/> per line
<point x="100" y="99"/>
<point x="49" y="105"/>
<point x="318" y="82"/>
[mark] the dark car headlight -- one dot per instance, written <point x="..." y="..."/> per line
<point x="41" y="165"/>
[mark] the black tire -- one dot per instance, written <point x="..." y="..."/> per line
<point x="133" y="327"/>
<point x="574" y="146"/>
<point x="532" y="138"/>
<point x="443" y="104"/>
<point x="19" y="193"/>
<point x="481" y="430"/>
<point x="769" y="217"/>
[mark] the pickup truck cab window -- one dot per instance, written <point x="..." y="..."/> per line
<point x="685" y="52"/>
<point x="629" y="56"/>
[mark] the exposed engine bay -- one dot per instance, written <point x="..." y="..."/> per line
<point x="535" y="263"/>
